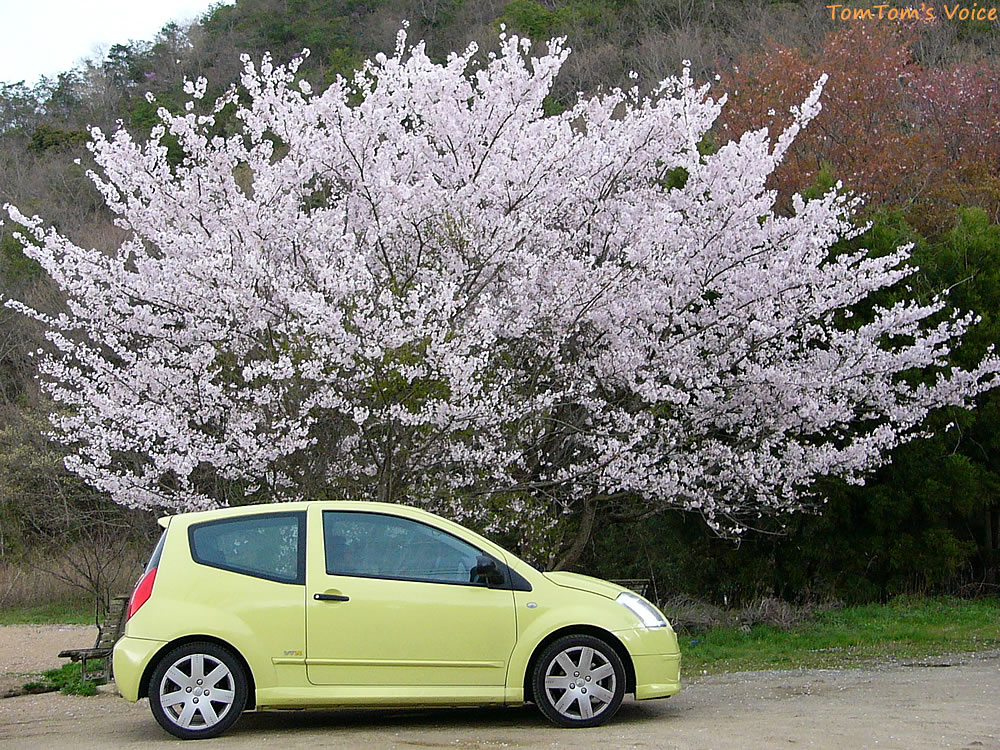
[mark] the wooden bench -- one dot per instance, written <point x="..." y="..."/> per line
<point x="108" y="634"/>
<point x="641" y="586"/>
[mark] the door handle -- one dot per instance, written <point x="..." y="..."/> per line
<point x="331" y="598"/>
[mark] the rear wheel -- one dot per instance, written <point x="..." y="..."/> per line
<point x="579" y="681"/>
<point x="198" y="690"/>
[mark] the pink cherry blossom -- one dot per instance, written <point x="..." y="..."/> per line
<point x="415" y="286"/>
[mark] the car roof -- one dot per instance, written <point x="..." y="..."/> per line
<point x="246" y="510"/>
<point x="396" y="509"/>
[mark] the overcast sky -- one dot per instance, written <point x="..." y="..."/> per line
<point x="45" y="37"/>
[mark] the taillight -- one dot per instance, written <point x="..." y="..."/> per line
<point x="140" y="595"/>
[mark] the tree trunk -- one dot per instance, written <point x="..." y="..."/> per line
<point x="992" y="544"/>
<point x="572" y="554"/>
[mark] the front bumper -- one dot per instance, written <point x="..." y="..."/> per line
<point x="131" y="656"/>
<point x="657" y="661"/>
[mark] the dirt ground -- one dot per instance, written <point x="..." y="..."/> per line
<point x="936" y="703"/>
<point x="26" y="650"/>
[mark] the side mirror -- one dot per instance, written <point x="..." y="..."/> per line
<point x="485" y="565"/>
<point x="486" y="571"/>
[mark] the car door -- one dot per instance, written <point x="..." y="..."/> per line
<point x="390" y="602"/>
<point x="246" y="586"/>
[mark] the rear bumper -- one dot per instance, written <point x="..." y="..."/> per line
<point x="131" y="657"/>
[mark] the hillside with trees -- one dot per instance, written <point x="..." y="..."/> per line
<point x="909" y="119"/>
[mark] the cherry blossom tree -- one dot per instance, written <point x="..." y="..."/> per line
<point x="417" y="287"/>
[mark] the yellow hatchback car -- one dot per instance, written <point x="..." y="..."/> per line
<point x="323" y="604"/>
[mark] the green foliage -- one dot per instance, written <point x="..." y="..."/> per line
<point x="440" y="14"/>
<point x="19" y="107"/>
<point x="342" y="61"/>
<point x="552" y="106"/>
<point x="46" y="137"/>
<point x="968" y="30"/>
<point x="825" y="181"/>
<point x="676" y="178"/>
<point x="538" y="22"/>
<point x="126" y="63"/>
<point x="143" y="117"/>
<point x="61" y="95"/>
<point x="16" y="268"/>
<point x="966" y="261"/>
<point x="326" y="27"/>
<point x="67" y="680"/>
<point x="530" y="18"/>
<point x="911" y="529"/>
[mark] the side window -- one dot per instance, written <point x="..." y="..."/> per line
<point x="154" y="559"/>
<point x="267" y="545"/>
<point x="374" y="545"/>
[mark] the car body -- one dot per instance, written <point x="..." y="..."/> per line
<point x="335" y="604"/>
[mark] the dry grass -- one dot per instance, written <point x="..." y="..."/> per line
<point x="687" y="614"/>
<point x="43" y="579"/>
<point x="22" y="585"/>
<point x="776" y="613"/>
<point x="690" y="615"/>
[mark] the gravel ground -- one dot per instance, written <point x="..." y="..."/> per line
<point x="28" y="649"/>
<point x="936" y="703"/>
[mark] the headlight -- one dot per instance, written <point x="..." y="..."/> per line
<point x="646" y="612"/>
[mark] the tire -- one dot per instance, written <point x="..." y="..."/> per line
<point x="578" y="681"/>
<point x="198" y="690"/>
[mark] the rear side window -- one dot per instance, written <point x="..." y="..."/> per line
<point x="154" y="559"/>
<point x="266" y="545"/>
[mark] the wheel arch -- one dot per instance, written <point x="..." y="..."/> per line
<point x="167" y="647"/>
<point x="592" y="630"/>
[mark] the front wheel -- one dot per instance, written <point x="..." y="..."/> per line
<point x="197" y="690"/>
<point x="579" y="681"/>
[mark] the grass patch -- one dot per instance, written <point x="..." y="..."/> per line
<point x="66" y="679"/>
<point x="72" y="612"/>
<point x="905" y="628"/>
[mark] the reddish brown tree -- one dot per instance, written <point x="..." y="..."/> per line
<point x="892" y="128"/>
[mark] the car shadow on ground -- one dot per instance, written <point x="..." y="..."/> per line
<point x="445" y="719"/>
